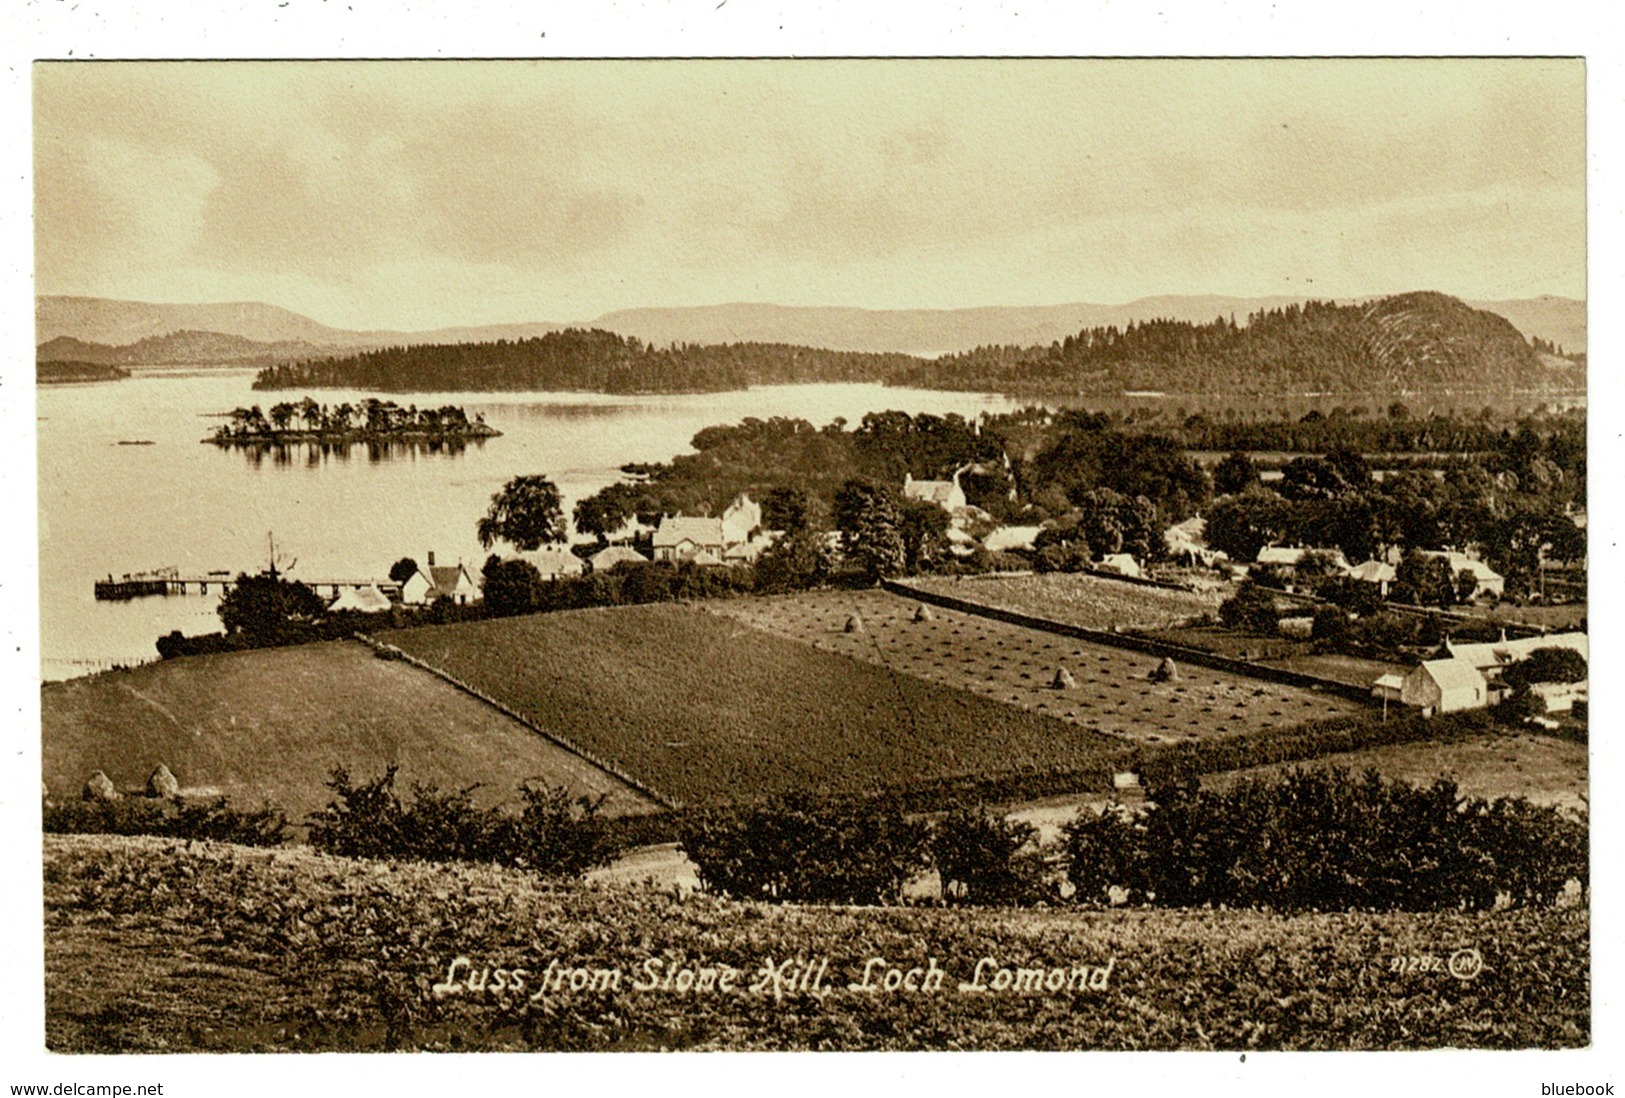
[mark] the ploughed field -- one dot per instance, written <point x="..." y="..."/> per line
<point x="1017" y="666"/>
<point x="270" y="725"/>
<point x="1078" y="599"/>
<point x="707" y="709"/>
<point x="156" y="945"/>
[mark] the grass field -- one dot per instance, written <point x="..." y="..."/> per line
<point x="159" y="946"/>
<point x="1076" y="599"/>
<point x="1546" y="770"/>
<point x="271" y="724"/>
<point x="1283" y="652"/>
<point x="1016" y="666"/>
<point x="706" y="709"/>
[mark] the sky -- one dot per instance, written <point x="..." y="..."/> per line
<point x="419" y="194"/>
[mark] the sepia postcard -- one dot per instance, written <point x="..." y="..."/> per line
<point x="811" y="555"/>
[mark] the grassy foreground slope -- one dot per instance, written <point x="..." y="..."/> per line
<point x="706" y="710"/>
<point x="269" y="725"/>
<point x="155" y="945"/>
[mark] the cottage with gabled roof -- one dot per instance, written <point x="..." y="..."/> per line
<point x="1445" y="686"/>
<point x="680" y="538"/>
<point x="433" y="582"/>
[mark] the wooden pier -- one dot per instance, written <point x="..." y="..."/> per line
<point x="144" y="584"/>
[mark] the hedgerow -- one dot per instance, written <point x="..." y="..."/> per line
<point x="212" y="819"/>
<point x="552" y="833"/>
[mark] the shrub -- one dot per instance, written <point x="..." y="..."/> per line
<point x="1104" y="850"/>
<point x="173" y="819"/>
<point x="984" y="858"/>
<point x="798" y="848"/>
<point x="1251" y="608"/>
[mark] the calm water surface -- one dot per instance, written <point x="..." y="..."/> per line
<point x="107" y="508"/>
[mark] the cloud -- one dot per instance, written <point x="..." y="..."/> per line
<point x="592" y="186"/>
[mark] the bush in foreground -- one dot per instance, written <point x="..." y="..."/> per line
<point x="799" y="849"/>
<point x="1324" y="840"/>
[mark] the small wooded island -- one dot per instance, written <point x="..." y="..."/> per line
<point x="372" y="420"/>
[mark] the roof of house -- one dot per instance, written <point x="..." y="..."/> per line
<point x="742" y="516"/>
<point x="932" y="491"/>
<point x="1011" y="537"/>
<point x="554" y="560"/>
<point x="1454" y="674"/>
<point x="1461" y="562"/>
<point x="675" y="529"/>
<point x="1122" y="561"/>
<point x="368" y="600"/>
<point x="444" y="578"/>
<point x="1390" y="681"/>
<point x="1373" y="571"/>
<point x="1276" y="554"/>
<point x="616" y="554"/>
<point x="705" y="556"/>
<point x="1502" y="652"/>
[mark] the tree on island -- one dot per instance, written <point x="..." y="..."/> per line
<point x="527" y="513"/>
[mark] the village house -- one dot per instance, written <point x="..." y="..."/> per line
<point x="1289" y="557"/>
<point x="1469" y="676"/>
<point x="1379" y="572"/>
<point x="1444" y="686"/>
<point x="1492" y="657"/>
<point x="681" y="538"/>
<point x="1488" y="582"/>
<point x="735" y="538"/>
<point x="742" y="519"/>
<point x="432" y="582"/>
<point x="946" y="494"/>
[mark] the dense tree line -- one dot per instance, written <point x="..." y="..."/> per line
<point x="1419" y="341"/>
<point x="583" y="360"/>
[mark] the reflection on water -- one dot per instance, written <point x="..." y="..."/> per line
<point x="342" y="513"/>
<point x="285" y="454"/>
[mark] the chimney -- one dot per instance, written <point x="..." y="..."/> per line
<point x="431" y="558"/>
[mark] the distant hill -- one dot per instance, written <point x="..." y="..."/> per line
<point x="1415" y="342"/>
<point x="1558" y="320"/>
<point x="182" y="348"/>
<point x="125" y="323"/>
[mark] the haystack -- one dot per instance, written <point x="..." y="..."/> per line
<point x="161" y="783"/>
<point x="854" y="624"/>
<point x="923" y="612"/>
<point x="99" y="787"/>
<point x="1063" y="679"/>
<point x="1166" y="671"/>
